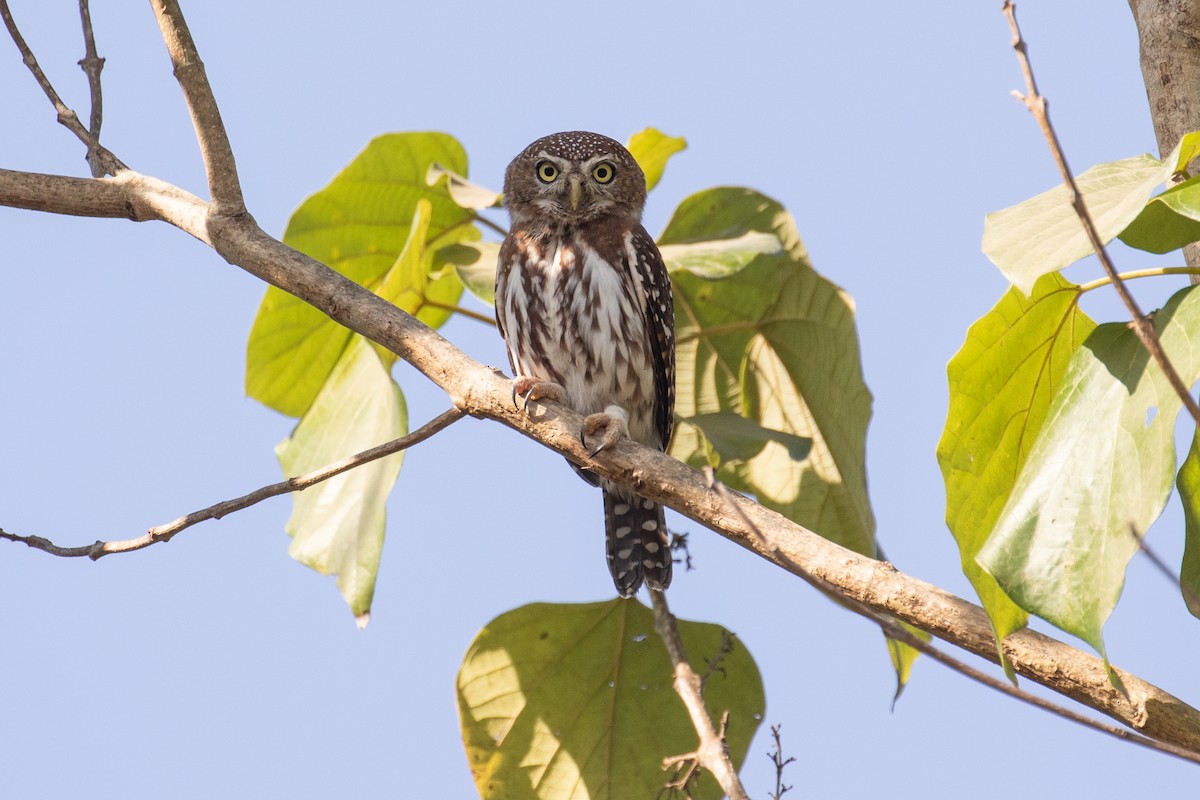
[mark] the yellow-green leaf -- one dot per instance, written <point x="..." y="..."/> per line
<point x="574" y="701"/>
<point x="358" y="225"/>
<point x="1002" y="382"/>
<point x="652" y="149"/>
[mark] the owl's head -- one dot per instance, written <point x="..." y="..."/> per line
<point x="574" y="177"/>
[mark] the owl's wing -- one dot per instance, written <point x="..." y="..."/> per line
<point x="660" y="327"/>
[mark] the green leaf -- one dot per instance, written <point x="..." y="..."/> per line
<point x="337" y="526"/>
<point x="1102" y="465"/>
<point x="1189" y="494"/>
<point x="560" y="701"/>
<point x="1002" y="382"/>
<point x="358" y="225"/>
<point x="765" y="337"/>
<point x="1168" y="221"/>
<point x="652" y="149"/>
<point x="736" y="438"/>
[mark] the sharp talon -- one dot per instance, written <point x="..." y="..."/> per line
<point x="528" y="394"/>
<point x="515" y="397"/>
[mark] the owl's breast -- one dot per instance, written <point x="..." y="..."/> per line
<point x="570" y="314"/>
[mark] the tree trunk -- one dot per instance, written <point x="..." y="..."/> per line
<point x="1169" y="35"/>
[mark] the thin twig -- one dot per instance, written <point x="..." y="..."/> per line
<point x="482" y="220"/>
<point x="1142" y="326"/>
<point x="712" y="753"/>
<point x="780" y="763"/>
<point x="894" y="630"/>
<point x="92" y="64"/>
<point x="1189" y="595"/>
<point x="466" y="312"/>
<point x="109" y="163"/>
<point x="163" y="533"/>
<point x="224" y="186"/>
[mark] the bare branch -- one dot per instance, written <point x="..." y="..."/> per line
<point x="97" y="155"/>
<point x="895" y="630"/>
<point x="712" y="753"/>
<point x="92" y="64"/>
<point x="163" y="533"/>
<point x="224" y="186"/>
<point x="780" y="763"/>
<point x="1142" y="326"/>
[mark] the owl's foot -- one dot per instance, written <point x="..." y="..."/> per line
<point x="601" y="431"/>
<point x="528" y="388"/>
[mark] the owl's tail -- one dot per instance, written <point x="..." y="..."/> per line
<point x="638" y="544"/>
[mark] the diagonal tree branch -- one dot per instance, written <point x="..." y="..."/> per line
<point x="1142" y="326"/>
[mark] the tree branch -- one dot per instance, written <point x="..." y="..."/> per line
<point x="712" y="753"/>
<point x="92" y="64"/>
<point x="97" y="155"/>
<point x="163" y="533"/>
<point x="896" y="631"/>
<point x="224" y="186"/>
<point x="1142" y="326"/>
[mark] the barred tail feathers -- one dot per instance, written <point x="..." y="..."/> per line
<point x="637" y="543"/>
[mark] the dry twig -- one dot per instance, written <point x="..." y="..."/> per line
<point x="108" y="163"/>
<point x="1142" y="326"/>
<point x="712" y="753"/>
<point x="163" y="533"/>
<point x="780" y="763"/>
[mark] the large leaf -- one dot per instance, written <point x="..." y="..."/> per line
<point x="762" y="335"/>
<point x="358" y="225"/>
<point x="1002" y="381"/>
<point x="1101" y="467"/>
<point x="337" y="526"/>
<point x="1044" y="234"/>
<point x="652" y="148"/>
<point x="576" y="701"/>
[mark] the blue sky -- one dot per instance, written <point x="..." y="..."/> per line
<point x="214" y="665"/>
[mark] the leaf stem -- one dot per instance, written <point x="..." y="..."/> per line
<point x="1138" y="273"/>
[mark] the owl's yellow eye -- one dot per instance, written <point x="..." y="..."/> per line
<point x="546" y="172"/>
<point x="603" y="172"/>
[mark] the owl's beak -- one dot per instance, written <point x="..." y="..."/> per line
<point x="575" y="191"/>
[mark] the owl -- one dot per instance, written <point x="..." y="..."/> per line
<point x="584" y="304"/>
